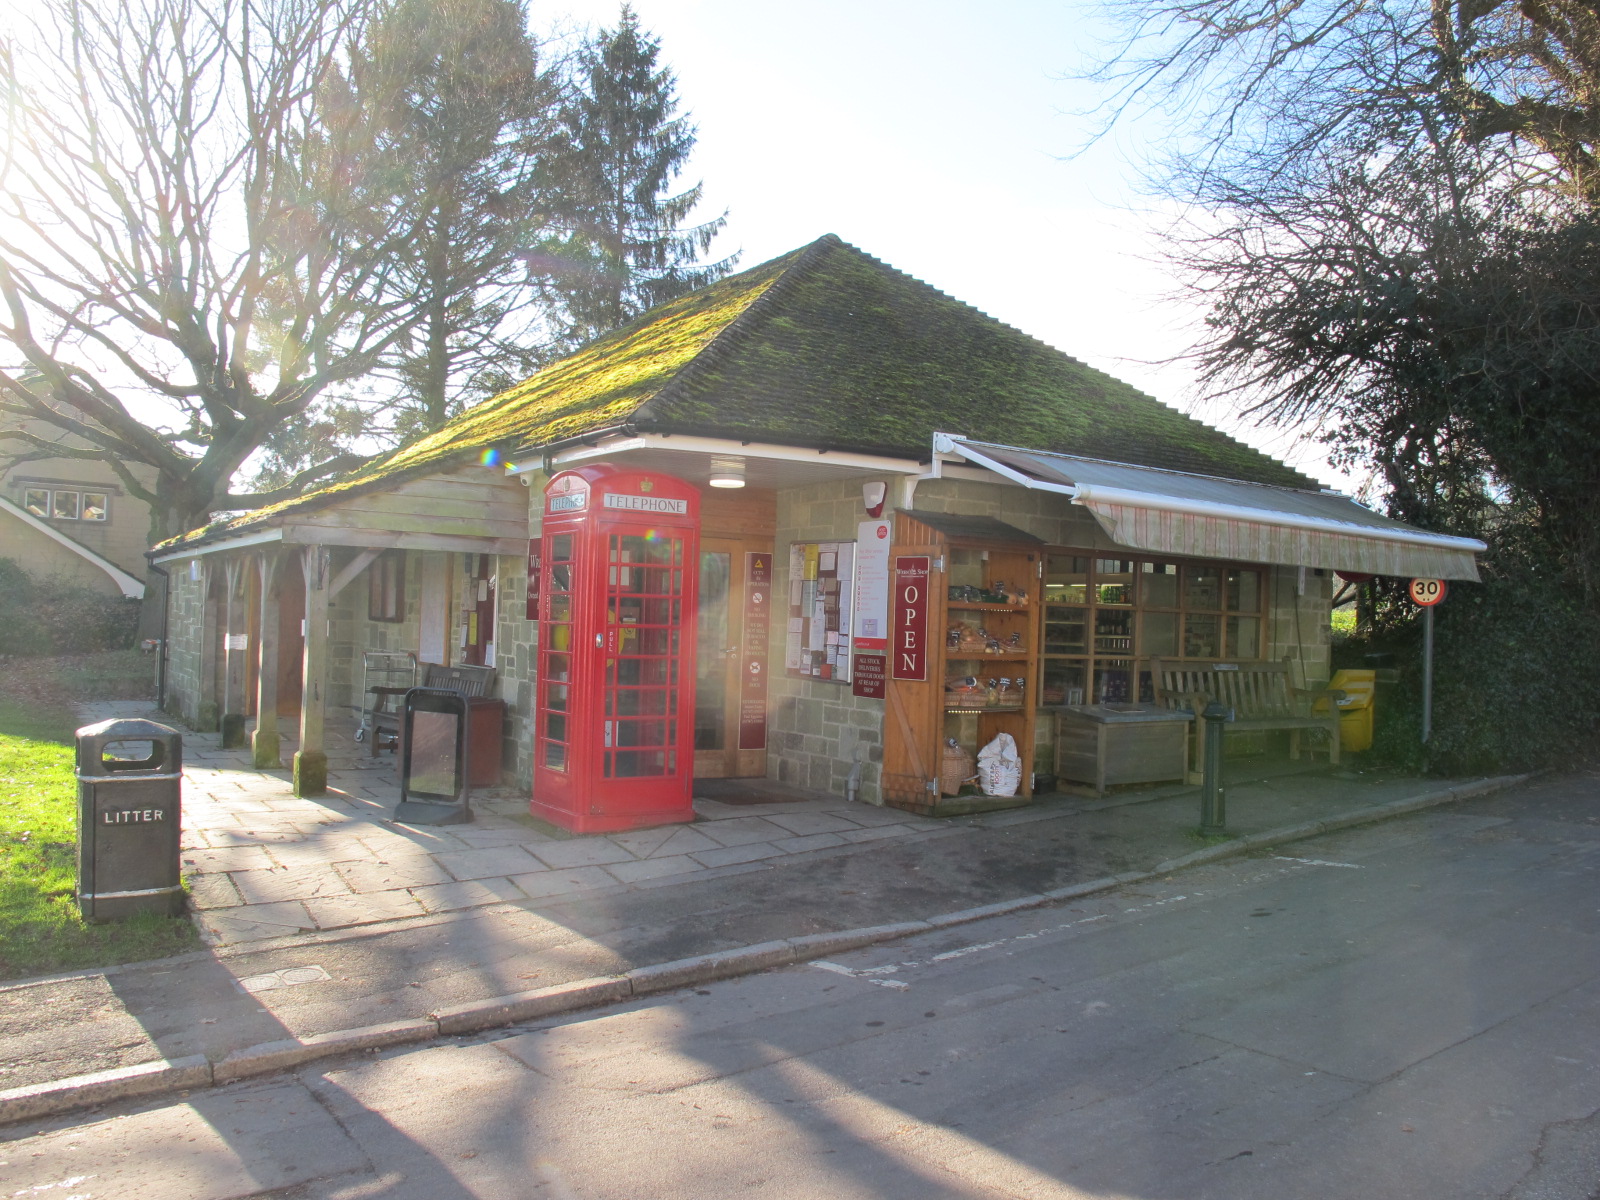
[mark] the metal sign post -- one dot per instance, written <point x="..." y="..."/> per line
<point x="1426" y="593"/>
<point x="1427" y="674"/>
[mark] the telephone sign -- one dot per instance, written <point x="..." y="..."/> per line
<point x="1427" y="592"/>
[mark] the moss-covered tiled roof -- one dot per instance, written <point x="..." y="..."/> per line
<point x="828" y="347"/>
<point x="848" y="353"/>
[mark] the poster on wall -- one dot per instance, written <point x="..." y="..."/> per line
<point x="871" y="625"/>
<point x="909" y="628"/>
<point x="869" y="677"/>
<point x="753" y="659"/>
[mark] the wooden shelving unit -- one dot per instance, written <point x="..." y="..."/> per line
<point x="972" y="635"/>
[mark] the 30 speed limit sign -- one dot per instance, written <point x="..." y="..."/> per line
<point x="1427" y="592"/>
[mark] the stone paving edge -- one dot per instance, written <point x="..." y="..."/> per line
<point x="197" y="1071"/>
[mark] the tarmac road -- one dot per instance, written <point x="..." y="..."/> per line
<point x="1409" y="1009"/>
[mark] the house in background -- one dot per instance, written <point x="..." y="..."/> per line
<point x="833" y="415"/>
<point x="72" y="519"/>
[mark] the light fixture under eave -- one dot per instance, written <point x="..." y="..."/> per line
<point x="727" y="472"/>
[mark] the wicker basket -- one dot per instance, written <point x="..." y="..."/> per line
<point x="955" y="768"/>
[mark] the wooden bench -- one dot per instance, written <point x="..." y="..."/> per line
<point x="1259" y="693"/>
<point x="470" y="682"/>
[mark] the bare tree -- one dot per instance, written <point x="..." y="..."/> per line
<point x="1250" y="86"/>
<point x="189" y="256"/>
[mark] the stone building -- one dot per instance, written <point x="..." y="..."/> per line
<point x="803" y="398"/>
<point x="73" y="519"/>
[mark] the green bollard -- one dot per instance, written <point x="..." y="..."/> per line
<point x="1213" y="799"/>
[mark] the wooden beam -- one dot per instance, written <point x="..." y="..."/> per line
<point x="315" y="535"/>
<point x="265" y="744"/>
<point x="354" y="567"/>
<point x="311" y="759"/>
<point x="235" y="616"/>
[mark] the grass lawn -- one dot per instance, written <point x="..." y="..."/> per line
<point x="40" y="931"/>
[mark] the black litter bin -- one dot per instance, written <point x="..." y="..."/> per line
<point x="129" y="820"/>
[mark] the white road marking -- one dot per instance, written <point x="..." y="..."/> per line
<point x="837" y="969"/>
<point x="869" y="974"/>
<point x="1318" y="862"/>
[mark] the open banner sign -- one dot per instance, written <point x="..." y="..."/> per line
<point x="1425" y="593"/>
<point x="909" y="629"/>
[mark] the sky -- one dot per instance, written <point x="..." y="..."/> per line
<point x="946" y="137"/>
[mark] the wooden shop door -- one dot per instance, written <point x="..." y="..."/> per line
<point x="735" y="593"/>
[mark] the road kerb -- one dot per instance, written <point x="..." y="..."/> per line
<point x="815" y="945"/>
<point x="999" y="909"/>
<point x="1076" y="890"/>
<point x="703" y="968"/>
<point x="120" y="1083"/>
<point x="267" y="1057"/>
<point x="533" y="1004"/>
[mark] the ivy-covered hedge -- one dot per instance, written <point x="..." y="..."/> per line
<point x="1516" y="675"/>
<point x="50" y="616"/>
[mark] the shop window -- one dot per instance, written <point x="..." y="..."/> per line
<point x="66" y="504"/>
<point x="1104" y="618"/>
<point x="386" y="588"/>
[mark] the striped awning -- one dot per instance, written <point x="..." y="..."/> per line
<point x="1202" y="516"/>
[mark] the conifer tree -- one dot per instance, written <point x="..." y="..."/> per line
<point x="619" y="145"/>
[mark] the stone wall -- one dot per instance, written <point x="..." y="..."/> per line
<point x="516" y="641"/>
<point x="817" y="730"/>
<point x="186" y="623"/>
<point x="1299" y="627"/>
<point x="351" y="634"/>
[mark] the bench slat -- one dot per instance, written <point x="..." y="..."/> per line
<point x="1260" y="694"/>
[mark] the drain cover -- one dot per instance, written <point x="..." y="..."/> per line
<point x="288" y="977"/>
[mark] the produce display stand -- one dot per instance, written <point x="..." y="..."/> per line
<point x="963" y="659"/>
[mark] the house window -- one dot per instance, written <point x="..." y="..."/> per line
<point x="1104" y="616"/>
<point x="386" y="588"/>
<point x="66" y="504"/>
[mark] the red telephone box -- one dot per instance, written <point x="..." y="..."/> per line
<point x="614" y="739"/>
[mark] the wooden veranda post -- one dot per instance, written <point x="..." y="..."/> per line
<point x="311" y="759"/>
<point x="235" y="626"/>
<point x="265" y="744"/>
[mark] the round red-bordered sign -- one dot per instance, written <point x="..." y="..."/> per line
<point x="1425" y="593"/>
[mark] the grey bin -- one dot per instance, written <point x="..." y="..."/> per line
<point x="129" y="820"/>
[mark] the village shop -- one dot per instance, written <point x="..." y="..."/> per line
<point x="687" y="551"/>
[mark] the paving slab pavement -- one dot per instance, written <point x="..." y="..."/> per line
<point x="323" y="916"/>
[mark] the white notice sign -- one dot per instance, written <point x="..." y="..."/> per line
<point x="871" y="624"/>
<point x="657" y="504"/>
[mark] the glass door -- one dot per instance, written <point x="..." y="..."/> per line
<point x="723" y="658"/>
<point x="644" y="608"/>
<point x="716" y="671"/>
